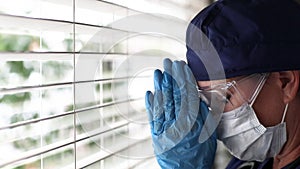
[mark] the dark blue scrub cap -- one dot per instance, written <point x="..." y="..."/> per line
<point x="249" y="36"/>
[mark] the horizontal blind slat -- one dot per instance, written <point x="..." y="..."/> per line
<point x="34" y="23"/>
<point x="65" y="143"/>
<point x="51" y="55"/>
<point x="18" y="124"/>
<point x="100" y="156"/>
<point x="31" y="23"/>
<point x="59" y="85"/>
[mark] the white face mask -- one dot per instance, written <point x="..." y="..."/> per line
<point x="247" y="139"/>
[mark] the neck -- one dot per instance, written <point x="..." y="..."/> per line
<point x="291" y="149"/>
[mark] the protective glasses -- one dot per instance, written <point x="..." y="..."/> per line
<point x="234" y="93"/>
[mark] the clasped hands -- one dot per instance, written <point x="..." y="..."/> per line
<point x="176" y="117"/>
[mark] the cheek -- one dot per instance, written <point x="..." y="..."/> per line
<point x="269" y="106"/>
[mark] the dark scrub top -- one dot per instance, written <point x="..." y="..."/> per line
<point x="267" y="164"/>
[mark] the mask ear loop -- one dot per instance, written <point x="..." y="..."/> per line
<point x="284" y="113"/>
<point x="259" y="88"/>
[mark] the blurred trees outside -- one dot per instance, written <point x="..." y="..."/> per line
<point x="21" y="72"/>
<point x="18" y="73"/>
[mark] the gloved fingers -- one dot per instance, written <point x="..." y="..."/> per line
<point x="207" y="123"/>
<point x="203" y="111"/>
<point x="167" y="90"/>
<point x="168" y="66"/>
<point x="149" y="104"/>
<point x="178" y="72"/>
<point x="157" y="80"/>
<point x="189" y="76"/>
<point x="178" y="85"/>
<point x="149" y="107"/>
<point x="191" y="90"/>
<point x="158" y="112"/>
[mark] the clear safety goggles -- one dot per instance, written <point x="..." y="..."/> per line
<point x="234" y="93"/>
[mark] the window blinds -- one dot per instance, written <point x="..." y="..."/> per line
<point x="42" y="123"/>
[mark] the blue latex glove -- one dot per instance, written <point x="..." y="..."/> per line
<point x="176" y="117"/>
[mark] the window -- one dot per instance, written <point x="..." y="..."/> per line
<point x="44" y="122"/>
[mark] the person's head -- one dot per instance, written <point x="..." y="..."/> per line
<point x="233" y="39"/>
<point x="249" y="52"/>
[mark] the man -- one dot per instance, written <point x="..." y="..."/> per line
<point x="257" y="82"/>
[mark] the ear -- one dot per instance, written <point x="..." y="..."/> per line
<point x="289" y="84"/>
